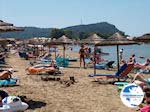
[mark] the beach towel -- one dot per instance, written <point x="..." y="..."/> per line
<point x="120" y="85"/>
<point x="9" y="82"/>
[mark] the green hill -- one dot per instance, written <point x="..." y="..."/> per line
<point x="105" y="29"/>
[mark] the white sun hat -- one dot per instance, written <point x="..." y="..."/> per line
<point x="13" y="104"/>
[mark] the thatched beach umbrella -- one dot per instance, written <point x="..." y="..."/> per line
<point x="117" y="40"/>
<point x="145" y="38"/>
<point x="2" y="23"/>
<point x="60" y="41"/>
<point x="93" y="39"/>
<point x="51" y="44"/>
<point x="63" y="41"/>
<point x="10" y="28"/>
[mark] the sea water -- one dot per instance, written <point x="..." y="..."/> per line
<point x="142" y="50"/>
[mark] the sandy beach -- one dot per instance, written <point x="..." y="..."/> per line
<point x="51" y="96"/>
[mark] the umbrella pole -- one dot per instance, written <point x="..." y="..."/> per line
<point x="64" y="54"/>
<point x="118" y="65"/>
<point x="94" y="60"/>
<point x="64" y="51"/>
<point x="55" y="52"/>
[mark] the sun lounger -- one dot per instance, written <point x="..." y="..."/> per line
<point x="122" y="68"/>
<point x="101" y="65"/>
<point x="120" y="74"/>
<point x="73" y="59"/>
<point x="105" y="65"/>
<point x="61" y="62"/>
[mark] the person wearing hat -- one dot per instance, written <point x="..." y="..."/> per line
<point x="5" y="75"/>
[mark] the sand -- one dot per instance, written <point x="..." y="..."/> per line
<point x="51" y="96"/>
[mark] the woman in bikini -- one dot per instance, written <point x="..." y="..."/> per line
<point x="82" y="53"/>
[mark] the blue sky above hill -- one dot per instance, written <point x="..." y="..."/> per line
<point x="130" y="16"/>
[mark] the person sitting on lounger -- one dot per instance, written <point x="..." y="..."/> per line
<point x="142" y="65"/>
<point x="139" y="65"/>
<point x="140" y="80"/>
<point x="132" y="59"/>
<point x="5" y="75"/>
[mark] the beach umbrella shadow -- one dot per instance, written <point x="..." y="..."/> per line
<point x="35" y="104"/>
<point x="32" y="103"/>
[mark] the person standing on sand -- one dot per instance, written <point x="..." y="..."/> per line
<point x="82" y="53"/>
<point x="121" y="54"/>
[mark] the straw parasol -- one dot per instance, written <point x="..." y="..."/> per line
<point x="2" y="23"/>
<point x="8" y="27"/>
<point x="117" y="40"/>
<point x="63" y="41"/>
<point x="145" y="38"/>
<point x="93" y="39"/>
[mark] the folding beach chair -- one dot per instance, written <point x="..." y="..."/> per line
<point x="121" y="74"/>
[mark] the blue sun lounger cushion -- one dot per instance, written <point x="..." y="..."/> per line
<point x="8" y="82"/>
<point x="121" y="69"/>
<point x="105" y="65"/>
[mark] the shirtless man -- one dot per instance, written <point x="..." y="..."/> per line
<point x="5" y="75"/>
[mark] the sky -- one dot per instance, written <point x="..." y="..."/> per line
<point x="130" y="16"/>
